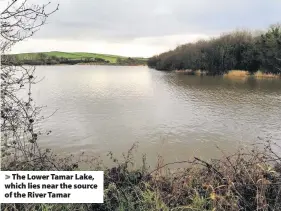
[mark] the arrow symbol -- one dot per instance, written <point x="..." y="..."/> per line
<point x="7" y="177"/>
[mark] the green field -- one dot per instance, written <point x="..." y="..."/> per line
<point x="72" y="55"/>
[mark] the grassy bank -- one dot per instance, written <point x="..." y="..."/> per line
<point x="249" y="179"/>
<point x="56" y="57"/>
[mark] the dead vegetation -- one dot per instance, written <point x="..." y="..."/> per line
<point x="249" y="179"/>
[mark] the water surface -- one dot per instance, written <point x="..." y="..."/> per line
<point x="107" y="108"/>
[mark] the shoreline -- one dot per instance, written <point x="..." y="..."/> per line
<point x="89" y="64"/>
<point x="112" y="64"/>
<point x="239" y="74"/>
<point x="230" y="183"/>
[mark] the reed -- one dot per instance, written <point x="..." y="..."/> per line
<point x="259" y="74"/>
<point x="237" y="73"/>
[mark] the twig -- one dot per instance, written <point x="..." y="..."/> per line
<point x="209" y="166"/>
<point x="167" y="164"/>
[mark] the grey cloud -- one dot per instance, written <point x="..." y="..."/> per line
<point x="123" y="20"/>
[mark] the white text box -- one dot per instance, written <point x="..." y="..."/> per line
<point x="51" y="187"/>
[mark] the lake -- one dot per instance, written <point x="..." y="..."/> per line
<point x="108" y="108"/>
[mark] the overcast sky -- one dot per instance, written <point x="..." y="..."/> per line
<point x="144" y="27"/>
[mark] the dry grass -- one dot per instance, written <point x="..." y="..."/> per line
<point x="197" y="72"/>
<point x="237" y="73"/>
<point x="200" y="72"/>
<point x="260" y="74"/>
<point x="234" y="74"/>
<point x="242" y="74"/>
<point x="192" y="72"/>
<point x="245" y="180"/>
<point x="183" y="71"/>
<point x="249" y="179"/>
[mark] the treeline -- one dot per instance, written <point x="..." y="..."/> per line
<point x="240" y="50"/>
<point x="131" y="61"/>
<point x="43" y="59"/>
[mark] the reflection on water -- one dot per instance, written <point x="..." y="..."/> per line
<point x="105" y="108"/>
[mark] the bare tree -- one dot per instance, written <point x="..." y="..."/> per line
<point x="19" y="114"/>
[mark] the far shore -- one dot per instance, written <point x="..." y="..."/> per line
<point x="110" y="64"/>
<point x="70" y="58"/>
<point x="89" y="64"/>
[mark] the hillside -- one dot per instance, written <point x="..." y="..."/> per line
<point x="57" y="57"/>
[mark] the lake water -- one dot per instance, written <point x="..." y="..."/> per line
<point x="107" y="108"/>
